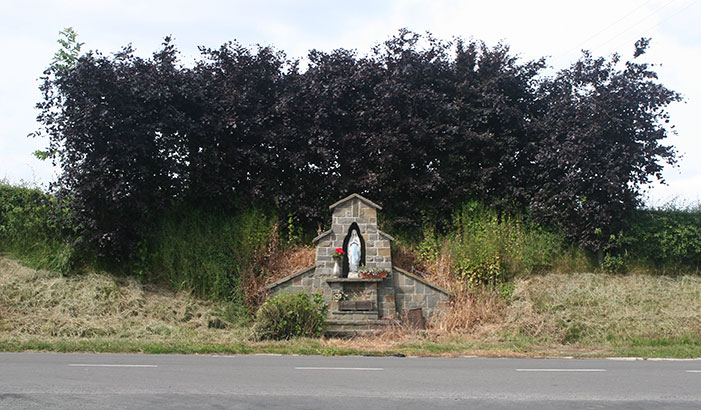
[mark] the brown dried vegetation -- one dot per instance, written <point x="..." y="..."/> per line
<point x="47" y="305"/>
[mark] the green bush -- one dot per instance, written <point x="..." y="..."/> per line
<point x="32" y="229"/>
<point x="291" y="315"/>
<point x="666" y="239"/>
<point x="488" y="247"/>
<point x="206" y="251"/>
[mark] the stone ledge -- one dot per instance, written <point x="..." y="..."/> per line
<point x="388" y="236"/>
<point x="355" y="312"/>
<point x="424" y="281"/>
<point x="321" y="236"/>
<point x="290" y="277"/>
<point x="352" y="280"/>
<point x="363" y="322"/>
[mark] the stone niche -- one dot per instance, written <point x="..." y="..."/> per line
<point x="362" y="304"/>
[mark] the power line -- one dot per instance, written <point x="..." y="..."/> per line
<point x="611" y="25"/>
<point x="647" y="16"/>
<point x="662" y="20"/>
<point x="634" y="26"/>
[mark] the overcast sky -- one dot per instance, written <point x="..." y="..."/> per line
<point x="556" y="29"/>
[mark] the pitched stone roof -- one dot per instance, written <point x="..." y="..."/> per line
<point x="352" y="196"/>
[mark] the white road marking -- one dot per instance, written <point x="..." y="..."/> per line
<point x="341" y="368"/>
<point x="560" y="370"/>
<point x="663" y="359"/>
<point x="693" y="371"/>
<point x="110" y="365"/>
<point x="654" y="359"/>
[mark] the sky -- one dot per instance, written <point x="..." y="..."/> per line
<point x="554" y="29"/>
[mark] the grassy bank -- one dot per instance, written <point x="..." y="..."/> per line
<point x="553" y="314"/>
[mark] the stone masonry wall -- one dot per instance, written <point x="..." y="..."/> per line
<point x="308" y="282"/>
<point x="411" y="293"/>
<point x="377" y="243"/>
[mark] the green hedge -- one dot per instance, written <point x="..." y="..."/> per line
<point x="667" y="240"/>
<point x="31" y="229"/>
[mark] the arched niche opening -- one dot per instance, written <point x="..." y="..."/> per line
<point x="352" y="243"/>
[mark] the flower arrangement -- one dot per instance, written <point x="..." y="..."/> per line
<point x="339" y="254"/>
<point x="373" y="273"/>
<point x="339" y="295"/>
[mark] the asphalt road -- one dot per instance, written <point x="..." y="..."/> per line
<point x="131" y="381"/>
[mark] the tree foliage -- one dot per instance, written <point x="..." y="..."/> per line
<point x="418" y="124"/>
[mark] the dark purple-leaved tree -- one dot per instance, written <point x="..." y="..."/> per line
<point x="419" y="124"/>
<point x="600" y="131"/>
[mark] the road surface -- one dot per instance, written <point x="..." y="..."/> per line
<point x="136" y="381"/>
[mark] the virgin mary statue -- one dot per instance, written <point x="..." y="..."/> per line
<point x="353" y="252"/>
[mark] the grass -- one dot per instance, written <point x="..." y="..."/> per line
<point x="609" y="310"/>
<point x="583" y="315"/>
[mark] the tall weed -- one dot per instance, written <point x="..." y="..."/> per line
<point x="209" y="252"/>
<point x="488" y="247"/>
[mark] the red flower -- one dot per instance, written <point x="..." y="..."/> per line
<point x="340" y="250"/>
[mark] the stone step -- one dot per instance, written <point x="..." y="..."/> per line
<point x="355" y="315"/>
<point x="349" y="328"/>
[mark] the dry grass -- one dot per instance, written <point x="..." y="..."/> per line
<point x="46" y="305"/>
<point x="587" y="313"/>
<point x="274" y="263"/>
<point x="598" y="308"/>
<point x="547" y="314"/>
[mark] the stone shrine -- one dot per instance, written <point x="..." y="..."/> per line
<point x="363" y="289"/>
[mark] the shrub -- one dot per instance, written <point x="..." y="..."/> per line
<point x="291" y="315"/>
<point x="31" y="229"/>
<point x="669" y="239"/>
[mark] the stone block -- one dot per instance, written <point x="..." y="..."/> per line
<point x="370" y="251"/>
<point x="418" y="298"/>
<point x="416" y="319"/>
<point x="297" y="281"/>
<point x="325" y="244"/>
<point x="367" y="212"/>
<point x="383" y="251"/>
